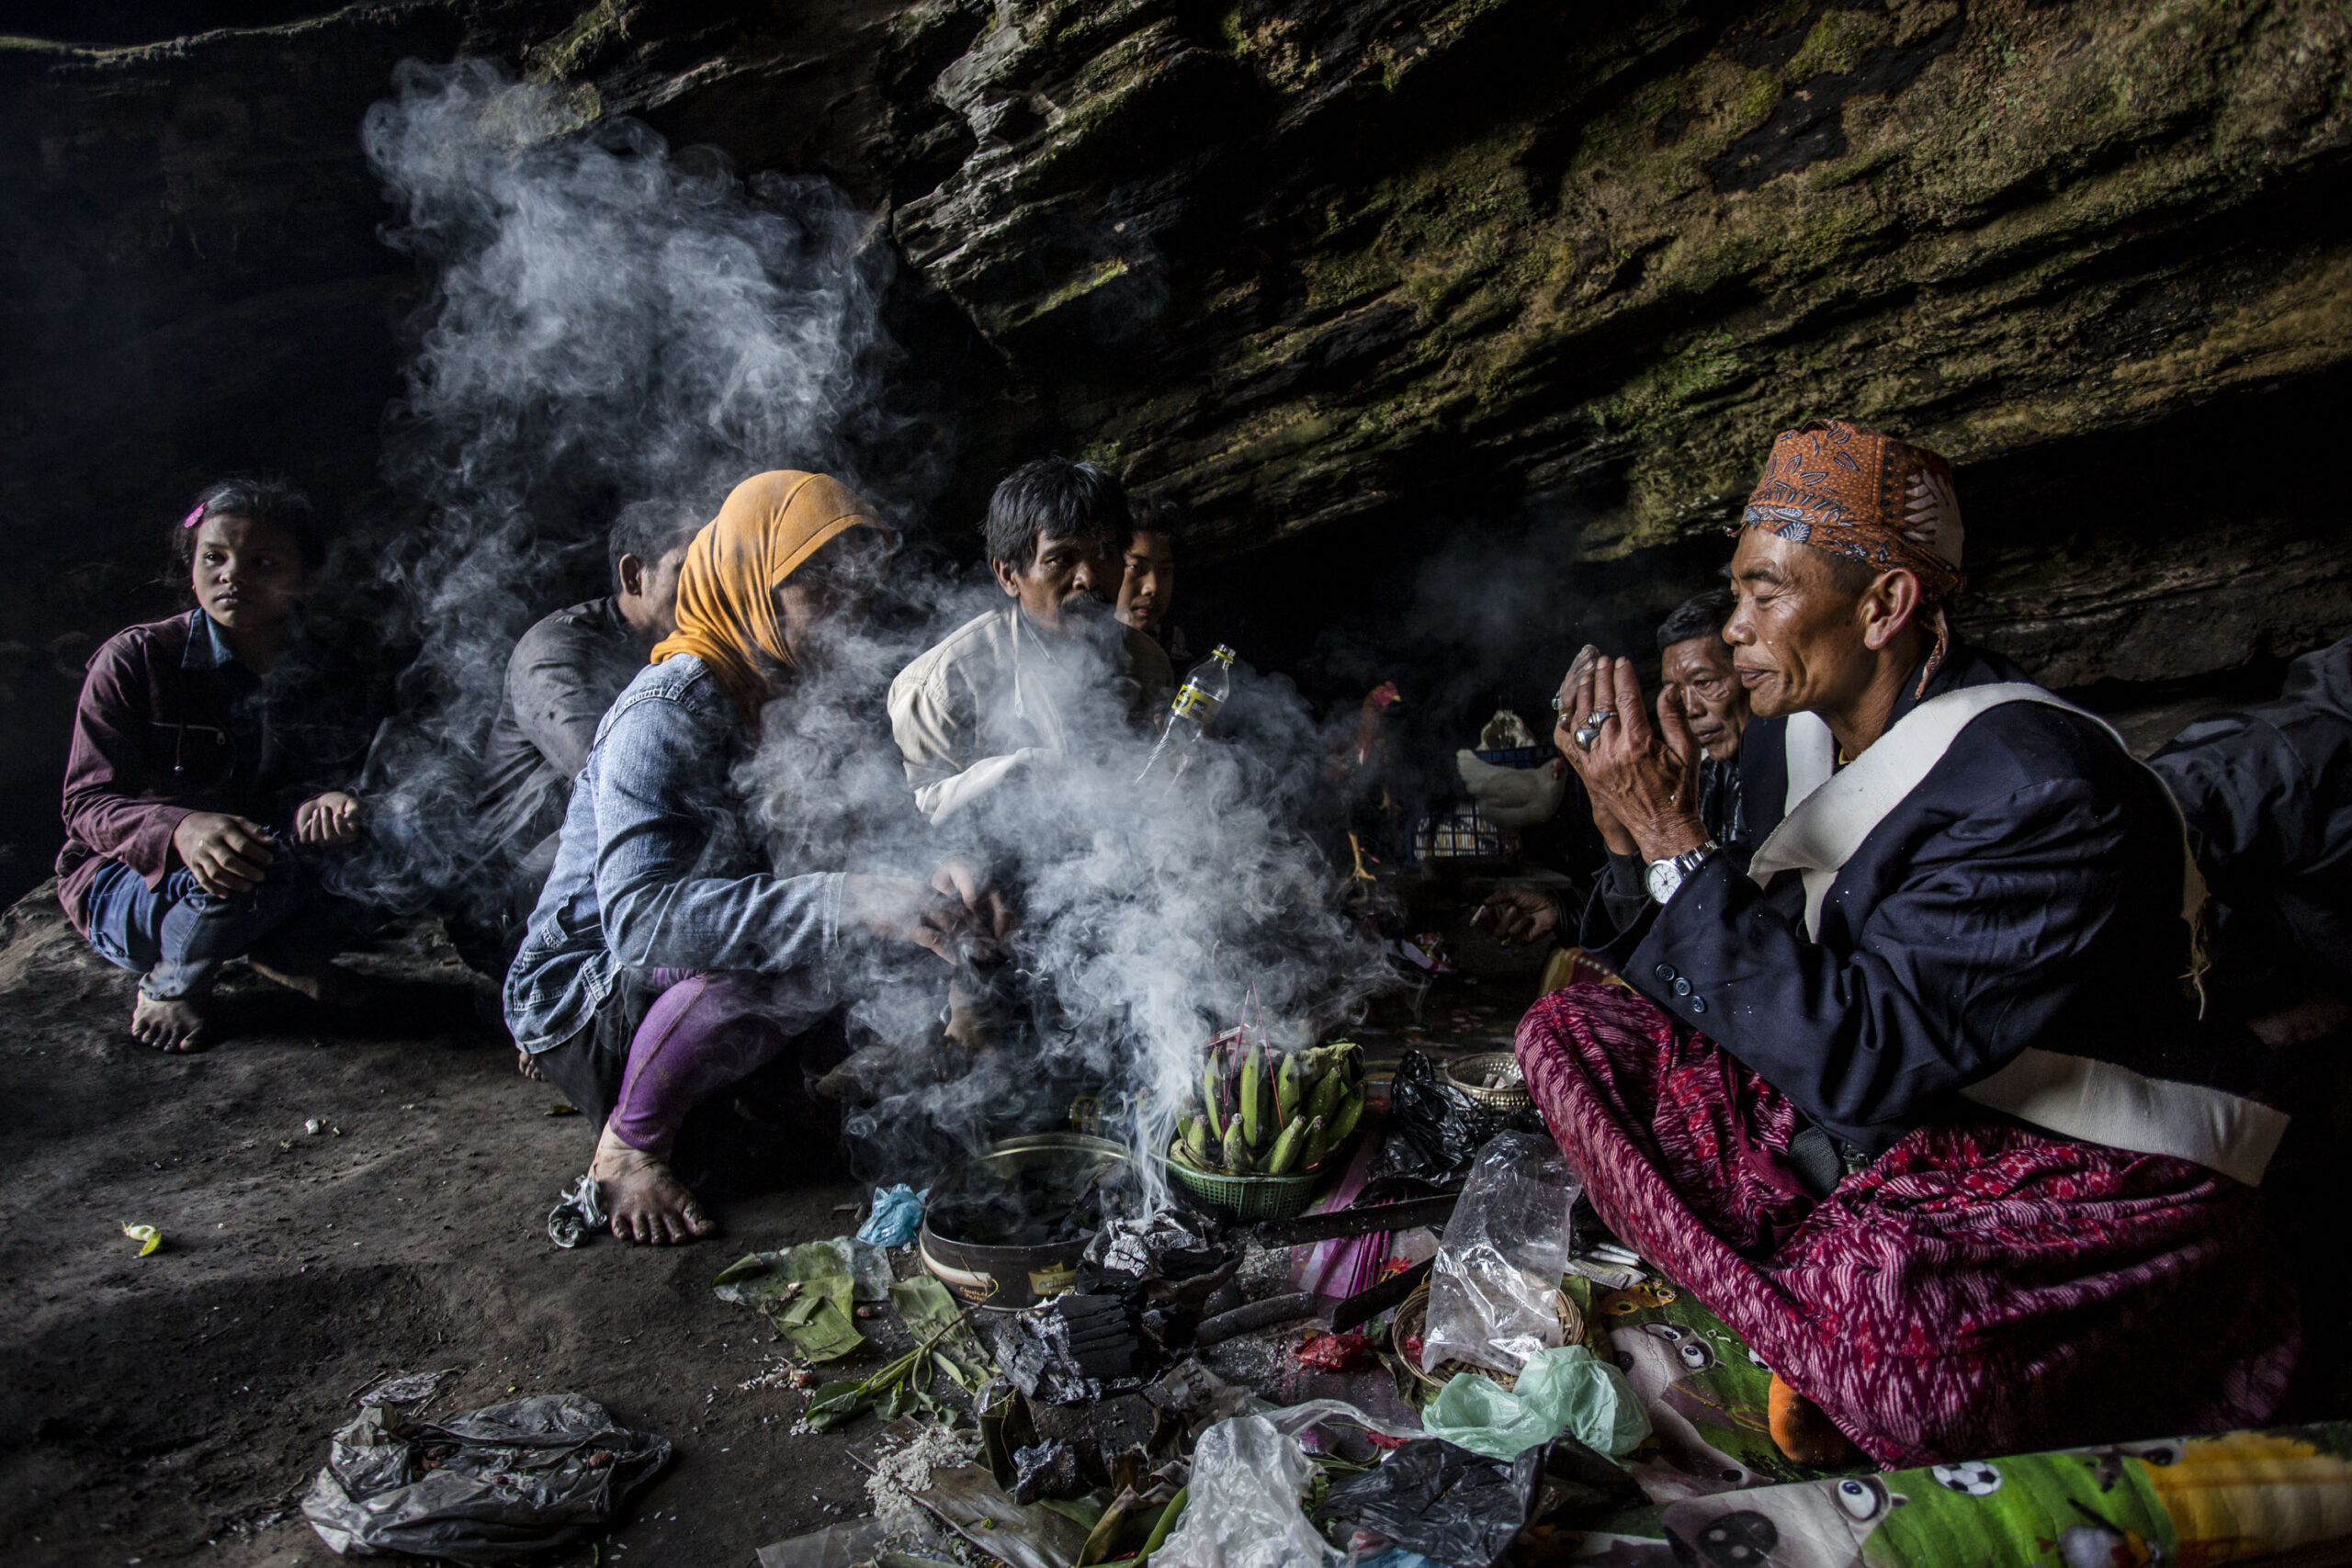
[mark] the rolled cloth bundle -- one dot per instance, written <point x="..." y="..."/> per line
<point x="1865" y="496"/>
<point x="771" y="525"/>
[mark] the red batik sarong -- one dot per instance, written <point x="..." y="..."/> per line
<point x="1981" y="1289"/>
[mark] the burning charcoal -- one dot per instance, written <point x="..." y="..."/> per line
<point x="1122" y="1426"/>
<point x="1044" y="1470"/>
<point x="1032" y="1350"/>
<point x="1103" y="1335"/>
<point x="1023" y="1350"/>
<point x="1170" y="1244"/>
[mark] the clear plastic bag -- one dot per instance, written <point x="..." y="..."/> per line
<point x="1249" y="1476"/>
<point x="1493" y="1294"/>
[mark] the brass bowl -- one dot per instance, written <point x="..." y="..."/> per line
<point x="1472" y="1075"/>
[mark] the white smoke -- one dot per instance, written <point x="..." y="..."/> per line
<point x="610" y="323"/>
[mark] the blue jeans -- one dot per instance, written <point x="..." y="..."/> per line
<point x="177" y="935"/>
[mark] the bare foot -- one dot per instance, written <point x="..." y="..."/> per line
<point x="167" y="1026"/>
<point x="528" y="1066"/>
<point x="332" y="984"/>
<point x="647" y="1202"/>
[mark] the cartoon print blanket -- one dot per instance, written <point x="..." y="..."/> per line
<point x="1730" y="1500"/>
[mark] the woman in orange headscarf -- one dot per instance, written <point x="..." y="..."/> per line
<point x="666" y="961"/>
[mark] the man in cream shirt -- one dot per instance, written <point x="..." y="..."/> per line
<point x="1014" y="691"/>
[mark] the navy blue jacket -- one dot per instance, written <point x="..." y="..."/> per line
<point x="2028" y="893"/>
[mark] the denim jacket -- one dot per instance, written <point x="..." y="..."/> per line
<point x="656" y="872"/>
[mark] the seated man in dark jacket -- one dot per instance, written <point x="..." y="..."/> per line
<point x="1909" y="1089"/>
<point x="561" y="677"/>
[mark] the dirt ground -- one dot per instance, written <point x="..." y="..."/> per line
<point x="174" y="1409"/>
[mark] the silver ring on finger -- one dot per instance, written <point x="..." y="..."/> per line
<point x="1598" y="717"/>
<point x="1585" y="737"/>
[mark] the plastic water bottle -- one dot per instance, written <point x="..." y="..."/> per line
<point x="1198" y="702"/>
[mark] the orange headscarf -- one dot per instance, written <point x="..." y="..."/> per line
<point x="769" y="527"/>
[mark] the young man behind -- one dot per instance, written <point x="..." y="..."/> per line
<point x="1147" y="583"/>
<point x="561" y="677"/>
<point x="1695" y="664"/>
<point x="1005" y="694"/>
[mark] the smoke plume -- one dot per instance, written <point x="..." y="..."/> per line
<point x="610" y="323"/>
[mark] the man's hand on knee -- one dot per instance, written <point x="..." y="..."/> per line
<point x="227" y="855"/>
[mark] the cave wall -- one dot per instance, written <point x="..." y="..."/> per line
<point x="1334" y="276"/>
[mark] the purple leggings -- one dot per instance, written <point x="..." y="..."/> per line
<point x="703" y="1034"/>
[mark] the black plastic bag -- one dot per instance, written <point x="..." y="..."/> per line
<point x="490" y="1486"/>
<point x="1432" y="1129"/>
<point x="1463" y="1509"/>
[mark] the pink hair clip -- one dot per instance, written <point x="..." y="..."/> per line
<point x="196" y="516"/>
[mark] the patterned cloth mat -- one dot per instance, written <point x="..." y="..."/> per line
<point x="1724" y="1497"/>
<point x="1730" y="1500"/>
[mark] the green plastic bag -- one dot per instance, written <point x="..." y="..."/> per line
<point x="1565" y="1389"/>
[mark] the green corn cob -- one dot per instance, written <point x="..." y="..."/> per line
<point x="1327" y="1090"/>
<point x="1237" y="1153"/>
<point x="1209" y="1097"/>
<point x="1286" y="1089"/>
<point x="1287" y="1149"/>
<point x="1317" y="1143"/>
<point x="1253" y="1073"/>
<point x="1197" y="1139"/>
<point x="1344" y="1124"/>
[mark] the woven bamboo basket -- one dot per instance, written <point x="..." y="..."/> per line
<point x="1412" y="1317"/>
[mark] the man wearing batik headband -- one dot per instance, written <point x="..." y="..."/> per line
<point x="1910" y="1088"/>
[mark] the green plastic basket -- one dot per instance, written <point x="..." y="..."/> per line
<point x="1259" y="1197"/>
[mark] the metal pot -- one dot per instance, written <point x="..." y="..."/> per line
<point x="1007" y="1278"/>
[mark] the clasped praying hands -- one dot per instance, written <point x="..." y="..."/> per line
<point x="1643" y="777"/>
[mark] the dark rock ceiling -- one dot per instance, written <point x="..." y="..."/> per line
<point x="1345" y="278"/>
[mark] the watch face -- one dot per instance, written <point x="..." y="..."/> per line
<point x="1665" y="876"/>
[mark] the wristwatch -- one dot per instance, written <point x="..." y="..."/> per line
<point x="1666" y="875"/>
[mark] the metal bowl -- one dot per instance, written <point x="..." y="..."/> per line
<point x="1001" y="1278"/>
<point x="1469" y="1074"/>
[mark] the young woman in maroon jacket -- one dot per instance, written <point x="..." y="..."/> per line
<point x="193" y="782"/>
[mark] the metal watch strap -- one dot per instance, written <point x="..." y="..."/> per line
<point x="1681" y="866"/>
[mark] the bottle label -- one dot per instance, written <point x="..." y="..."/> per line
<point x="1194" y="704"/>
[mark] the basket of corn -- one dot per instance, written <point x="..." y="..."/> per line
<point x="1269" y="1124"/>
